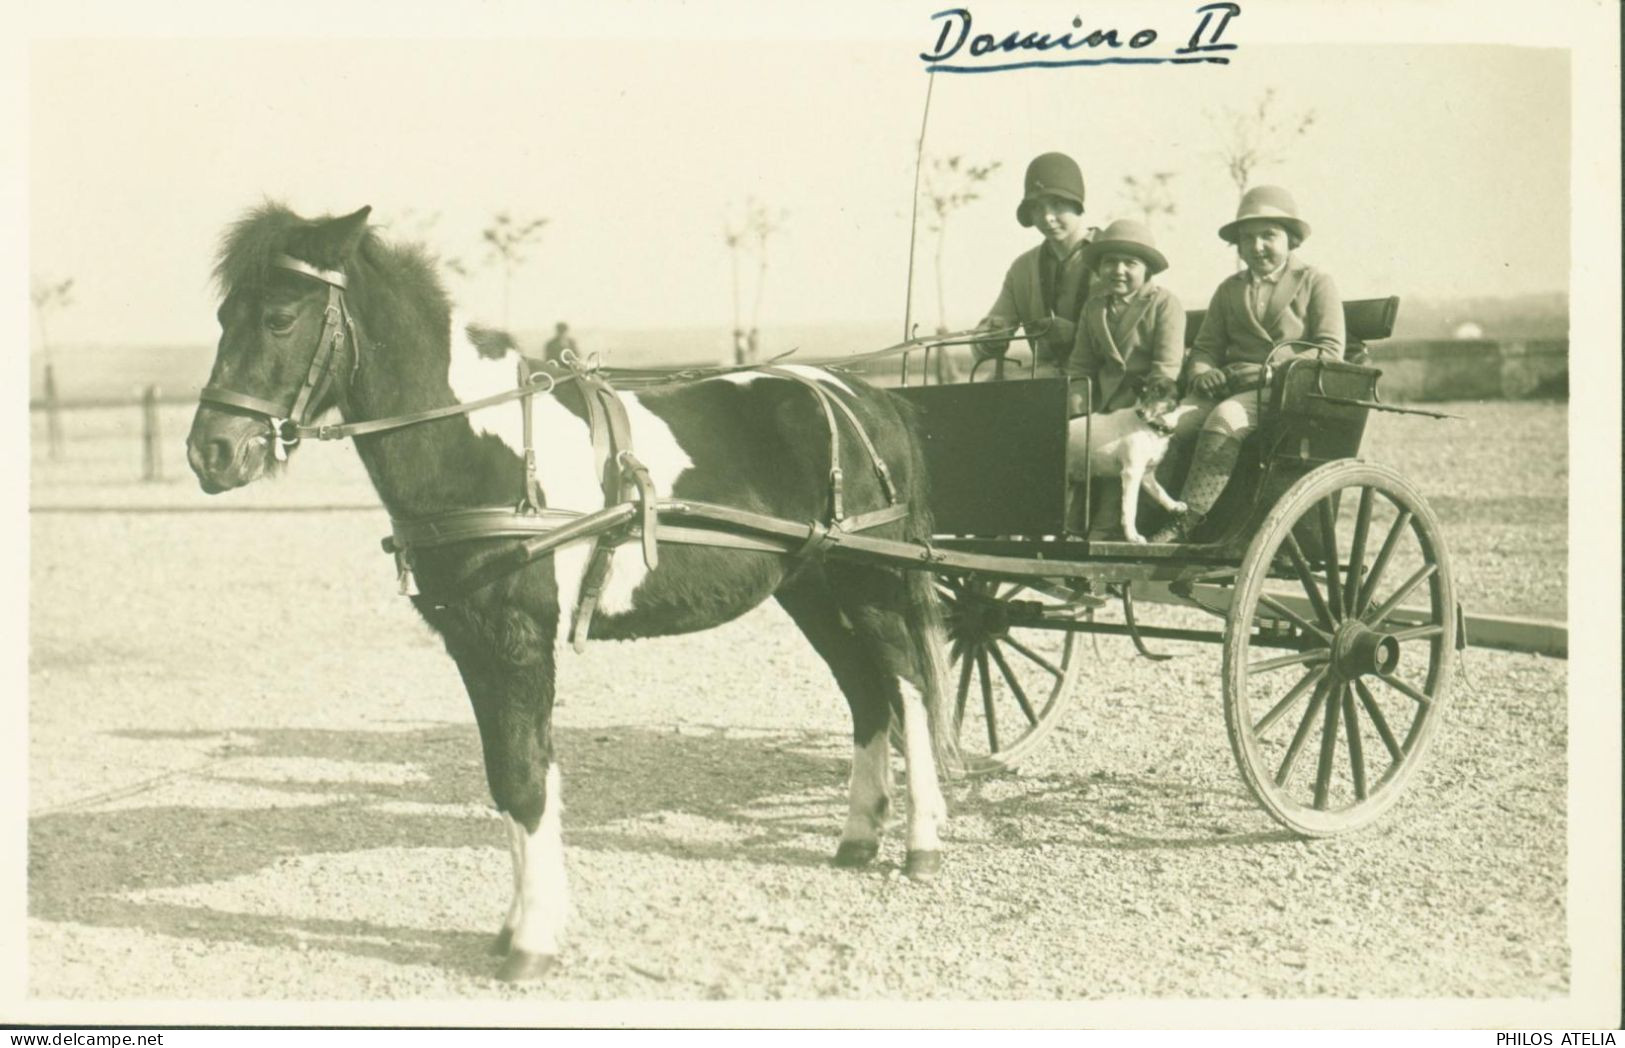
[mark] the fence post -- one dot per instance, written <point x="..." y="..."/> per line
<point x="150" y="440"/>
<point x="53" y="418"/>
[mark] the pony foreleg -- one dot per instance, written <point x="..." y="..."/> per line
<point x="871" y="790"/>
<point x="541" y="899"/>
<point x="516" y="852"/>
<point x="927" y="811"/>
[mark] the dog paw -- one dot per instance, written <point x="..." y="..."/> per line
<point x="1135" y="537"/>
<point x="1178" y="507"/>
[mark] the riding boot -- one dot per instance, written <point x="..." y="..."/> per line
<point x="1216" y="455"/>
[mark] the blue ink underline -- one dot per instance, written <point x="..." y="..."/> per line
<point x="1039" y="64"/>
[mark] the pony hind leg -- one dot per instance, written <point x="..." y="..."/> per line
<point x="870" y="693"/>
<point x="899" y="616"/>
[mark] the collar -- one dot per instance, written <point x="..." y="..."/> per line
<point x="1270" y="278"/>
<point x="1154" y="424"/>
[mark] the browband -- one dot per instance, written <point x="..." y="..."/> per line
<point x="326" y="276"/>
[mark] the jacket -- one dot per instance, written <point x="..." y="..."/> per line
<point x="1021" y="301"/>
<point x="1304" y="305"/>
<point x="1148" y="336"/>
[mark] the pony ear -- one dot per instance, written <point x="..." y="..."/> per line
<point x="331" y="243"/>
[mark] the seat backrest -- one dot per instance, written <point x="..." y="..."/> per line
<point x="1365" y="320"/>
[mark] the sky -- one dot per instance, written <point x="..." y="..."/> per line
<point x="1429" y="170"/>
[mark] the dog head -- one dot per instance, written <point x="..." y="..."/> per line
<point x="1158" y="396"/>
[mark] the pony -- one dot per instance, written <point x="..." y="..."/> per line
<point x="324" y="313"/>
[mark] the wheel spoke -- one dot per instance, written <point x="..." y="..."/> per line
<point x="1351" y="725"/>
<point x="987" y="701"/>
<point x="1405" y="689"/>
<point x="964" y="690"/>
<point x="1287" y="613"/>
<point x="1419" y="632"/>
<point x="1015" y="688"/>
<point x="1328" y="537"/>
<point x="1369" y="590"/>
<point x="1362" y="529"/>
<point x="1300" y="735"/>
<point x="1310" y="678"/>
<point x="1302" y="658"/>
<point x="1054" y="670"/>
<point x="1388" y="606"/>
<point x="1328" y="746"/>
<point x="1375" y="713"/>
<point x="1307" y="577"/>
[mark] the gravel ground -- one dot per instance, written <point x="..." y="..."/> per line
<point x="254" y="775"/>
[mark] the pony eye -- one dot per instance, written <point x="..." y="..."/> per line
<point x="281" y="323"/>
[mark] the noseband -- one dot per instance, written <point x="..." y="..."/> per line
<point x="289" y="421"/>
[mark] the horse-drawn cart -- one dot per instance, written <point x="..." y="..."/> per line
<point x="1324" y="577"/>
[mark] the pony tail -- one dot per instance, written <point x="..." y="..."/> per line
<point x="926" y="628"/>
<point x="930" y="638"/>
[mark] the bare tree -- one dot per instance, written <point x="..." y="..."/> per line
<point x="421" y="227"/>
<point x="763" y="224"/>
<point x="47" y="296"/>
<point x="734" y="237"/>
<point x="1150" y="196"/>
<point x="753" y="231"/>
<point x="951" y="182"/>
<point x="509" y="239"/>
<point x="1257" y="137"/>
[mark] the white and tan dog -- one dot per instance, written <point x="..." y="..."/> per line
<point x="1129" y="443"/>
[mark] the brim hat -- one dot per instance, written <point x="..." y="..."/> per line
<point x="1052" y="174"/>
<point x="1271" y="203"/>
<point x="1126" y="237"/>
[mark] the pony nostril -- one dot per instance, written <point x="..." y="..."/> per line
<point x="217" y="454"/>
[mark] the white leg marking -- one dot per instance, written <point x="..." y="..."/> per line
<point x="543" y="890"/>
<point x="926" y="809"/>
<point x="871" y="790"/>
<point x="516" y="851"/>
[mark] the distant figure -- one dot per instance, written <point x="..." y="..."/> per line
<point x="561" y="341"/>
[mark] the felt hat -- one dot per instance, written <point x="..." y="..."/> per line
<point x="1126" y="237"/>
<point x="1267" y="202"/>
<point x="1052" y="174"/>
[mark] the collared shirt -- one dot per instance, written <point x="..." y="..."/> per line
<point x="1261" y="287"/>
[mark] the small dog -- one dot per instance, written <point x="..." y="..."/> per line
<point x="1129" y="443"/>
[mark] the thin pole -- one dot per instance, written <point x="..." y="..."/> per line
<point x="914" y="210"/>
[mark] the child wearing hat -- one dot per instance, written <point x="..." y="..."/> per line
<point x="1277" y="298"/>
<point x="1046" y="285"/>
<point x="1130" y="327"/>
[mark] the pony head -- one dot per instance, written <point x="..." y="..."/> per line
<point x="286" y="341"/>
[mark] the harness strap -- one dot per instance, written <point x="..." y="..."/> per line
<point x="830" y="404"/>
<point x="533" y="487"/>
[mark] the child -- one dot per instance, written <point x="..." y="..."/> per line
<point x="1046" y="285"/>
<point x="1130" y="328"/>
<point x="1277" y="298"/>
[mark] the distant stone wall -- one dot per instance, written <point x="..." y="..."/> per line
<point x="1472" y="369"/>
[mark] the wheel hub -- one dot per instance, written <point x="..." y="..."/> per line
<point x="1359" y="651"/>
<point x="978" y="621"/>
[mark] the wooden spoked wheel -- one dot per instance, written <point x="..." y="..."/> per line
<point x="1338" y="647"/>
<point x="1013" y="665"/>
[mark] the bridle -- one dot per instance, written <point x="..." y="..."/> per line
<point x="289" y="422"/>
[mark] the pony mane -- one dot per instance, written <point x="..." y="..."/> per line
<point x="249" y="245"/>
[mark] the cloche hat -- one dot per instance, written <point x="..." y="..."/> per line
<point x="1126" y="237"/>
<point x="1052" y="174"/>
<point x="1269" y="202"/>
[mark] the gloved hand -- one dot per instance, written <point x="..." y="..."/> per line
<point x="1210" y="384"/>
<point x="986" y="350"/>
<point x="1242" y="377"/>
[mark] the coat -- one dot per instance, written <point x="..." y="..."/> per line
<point x="1148" y="337"/>
<point x="1304" y="305"/>
<point x="1021" y="301"/>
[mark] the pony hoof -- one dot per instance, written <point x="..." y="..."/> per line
<point x="502" y="942"/>
<point x="522" y="965"/>
<point x="856" y="853"/>
<point x="922" y="865"/>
